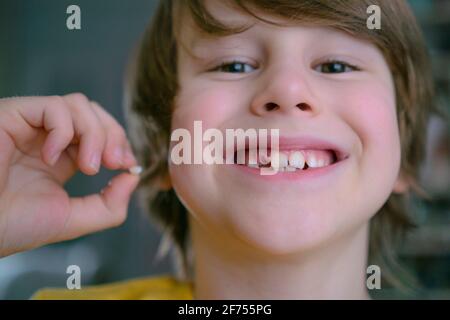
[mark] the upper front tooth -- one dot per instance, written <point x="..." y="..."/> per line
<point x="311" y="160"/>
<point x="283" y="160"/>
<point x="279" y="160"/>
<point x="263" y="158"/>
<point x="296" y="159"/>
<point x="275" y="160"/>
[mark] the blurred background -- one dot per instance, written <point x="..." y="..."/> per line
<point x="40" y="56"/>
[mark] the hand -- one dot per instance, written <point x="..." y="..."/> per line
<point x="43" y="142"/>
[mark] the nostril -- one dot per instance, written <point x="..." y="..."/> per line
<point x="304" y="106"/>
<point x="271" y="106"/>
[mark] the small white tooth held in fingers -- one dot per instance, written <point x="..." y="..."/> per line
<point x="136" y="170"/>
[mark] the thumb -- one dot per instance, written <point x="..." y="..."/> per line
<point x="117" y="194"/>
<point x="100" y="211"/>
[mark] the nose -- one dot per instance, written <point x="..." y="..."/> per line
<point x="285" y="90"/>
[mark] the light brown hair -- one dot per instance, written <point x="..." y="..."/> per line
<point x="153" y="86"/>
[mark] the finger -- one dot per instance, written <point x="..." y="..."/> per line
<point x="64" y="170"/>
<point x="113" y="155"/>
<point x="117" y="152"/>
<point x="90" y="131"/>
<point x="59" y="125"/>
<point x="130" y="159"/>
<point x="26" y="114"/>
<point x="100" y="211"/>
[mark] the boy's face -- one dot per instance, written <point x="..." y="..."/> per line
<point x="289" y="69"/>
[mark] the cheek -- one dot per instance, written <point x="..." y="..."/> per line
<point x="213" y="106"/>
<point x="371" y="113"/>
<point x="375" y="120"/>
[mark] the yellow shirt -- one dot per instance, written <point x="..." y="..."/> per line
<point x="150" y="288"/>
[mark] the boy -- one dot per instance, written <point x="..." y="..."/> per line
<point x="355" y="100"/>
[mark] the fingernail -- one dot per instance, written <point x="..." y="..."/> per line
<point x="95" y="161"/>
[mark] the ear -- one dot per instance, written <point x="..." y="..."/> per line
<point x="165" y="183"/>
<point x="401" y="185"/>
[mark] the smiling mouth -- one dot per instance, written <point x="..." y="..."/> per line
<point x="292" y="154"/>
<point x="291" y="160"/>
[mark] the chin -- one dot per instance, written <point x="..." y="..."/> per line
<point x="281" y="234"/>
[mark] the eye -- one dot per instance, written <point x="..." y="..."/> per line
<point x="335" y="67"/>
<point x="233" y="67"/>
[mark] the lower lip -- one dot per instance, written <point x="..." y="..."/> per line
<point x="309" y="174"/>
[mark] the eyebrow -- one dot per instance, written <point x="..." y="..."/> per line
<point x="217" y="42"/>
<point x="200" y="42"/>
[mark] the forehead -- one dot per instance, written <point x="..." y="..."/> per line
<point x="226" y="13"/>
<point x="265" y="25"/>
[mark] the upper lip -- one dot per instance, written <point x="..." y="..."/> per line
<point x="298" y="142"/>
